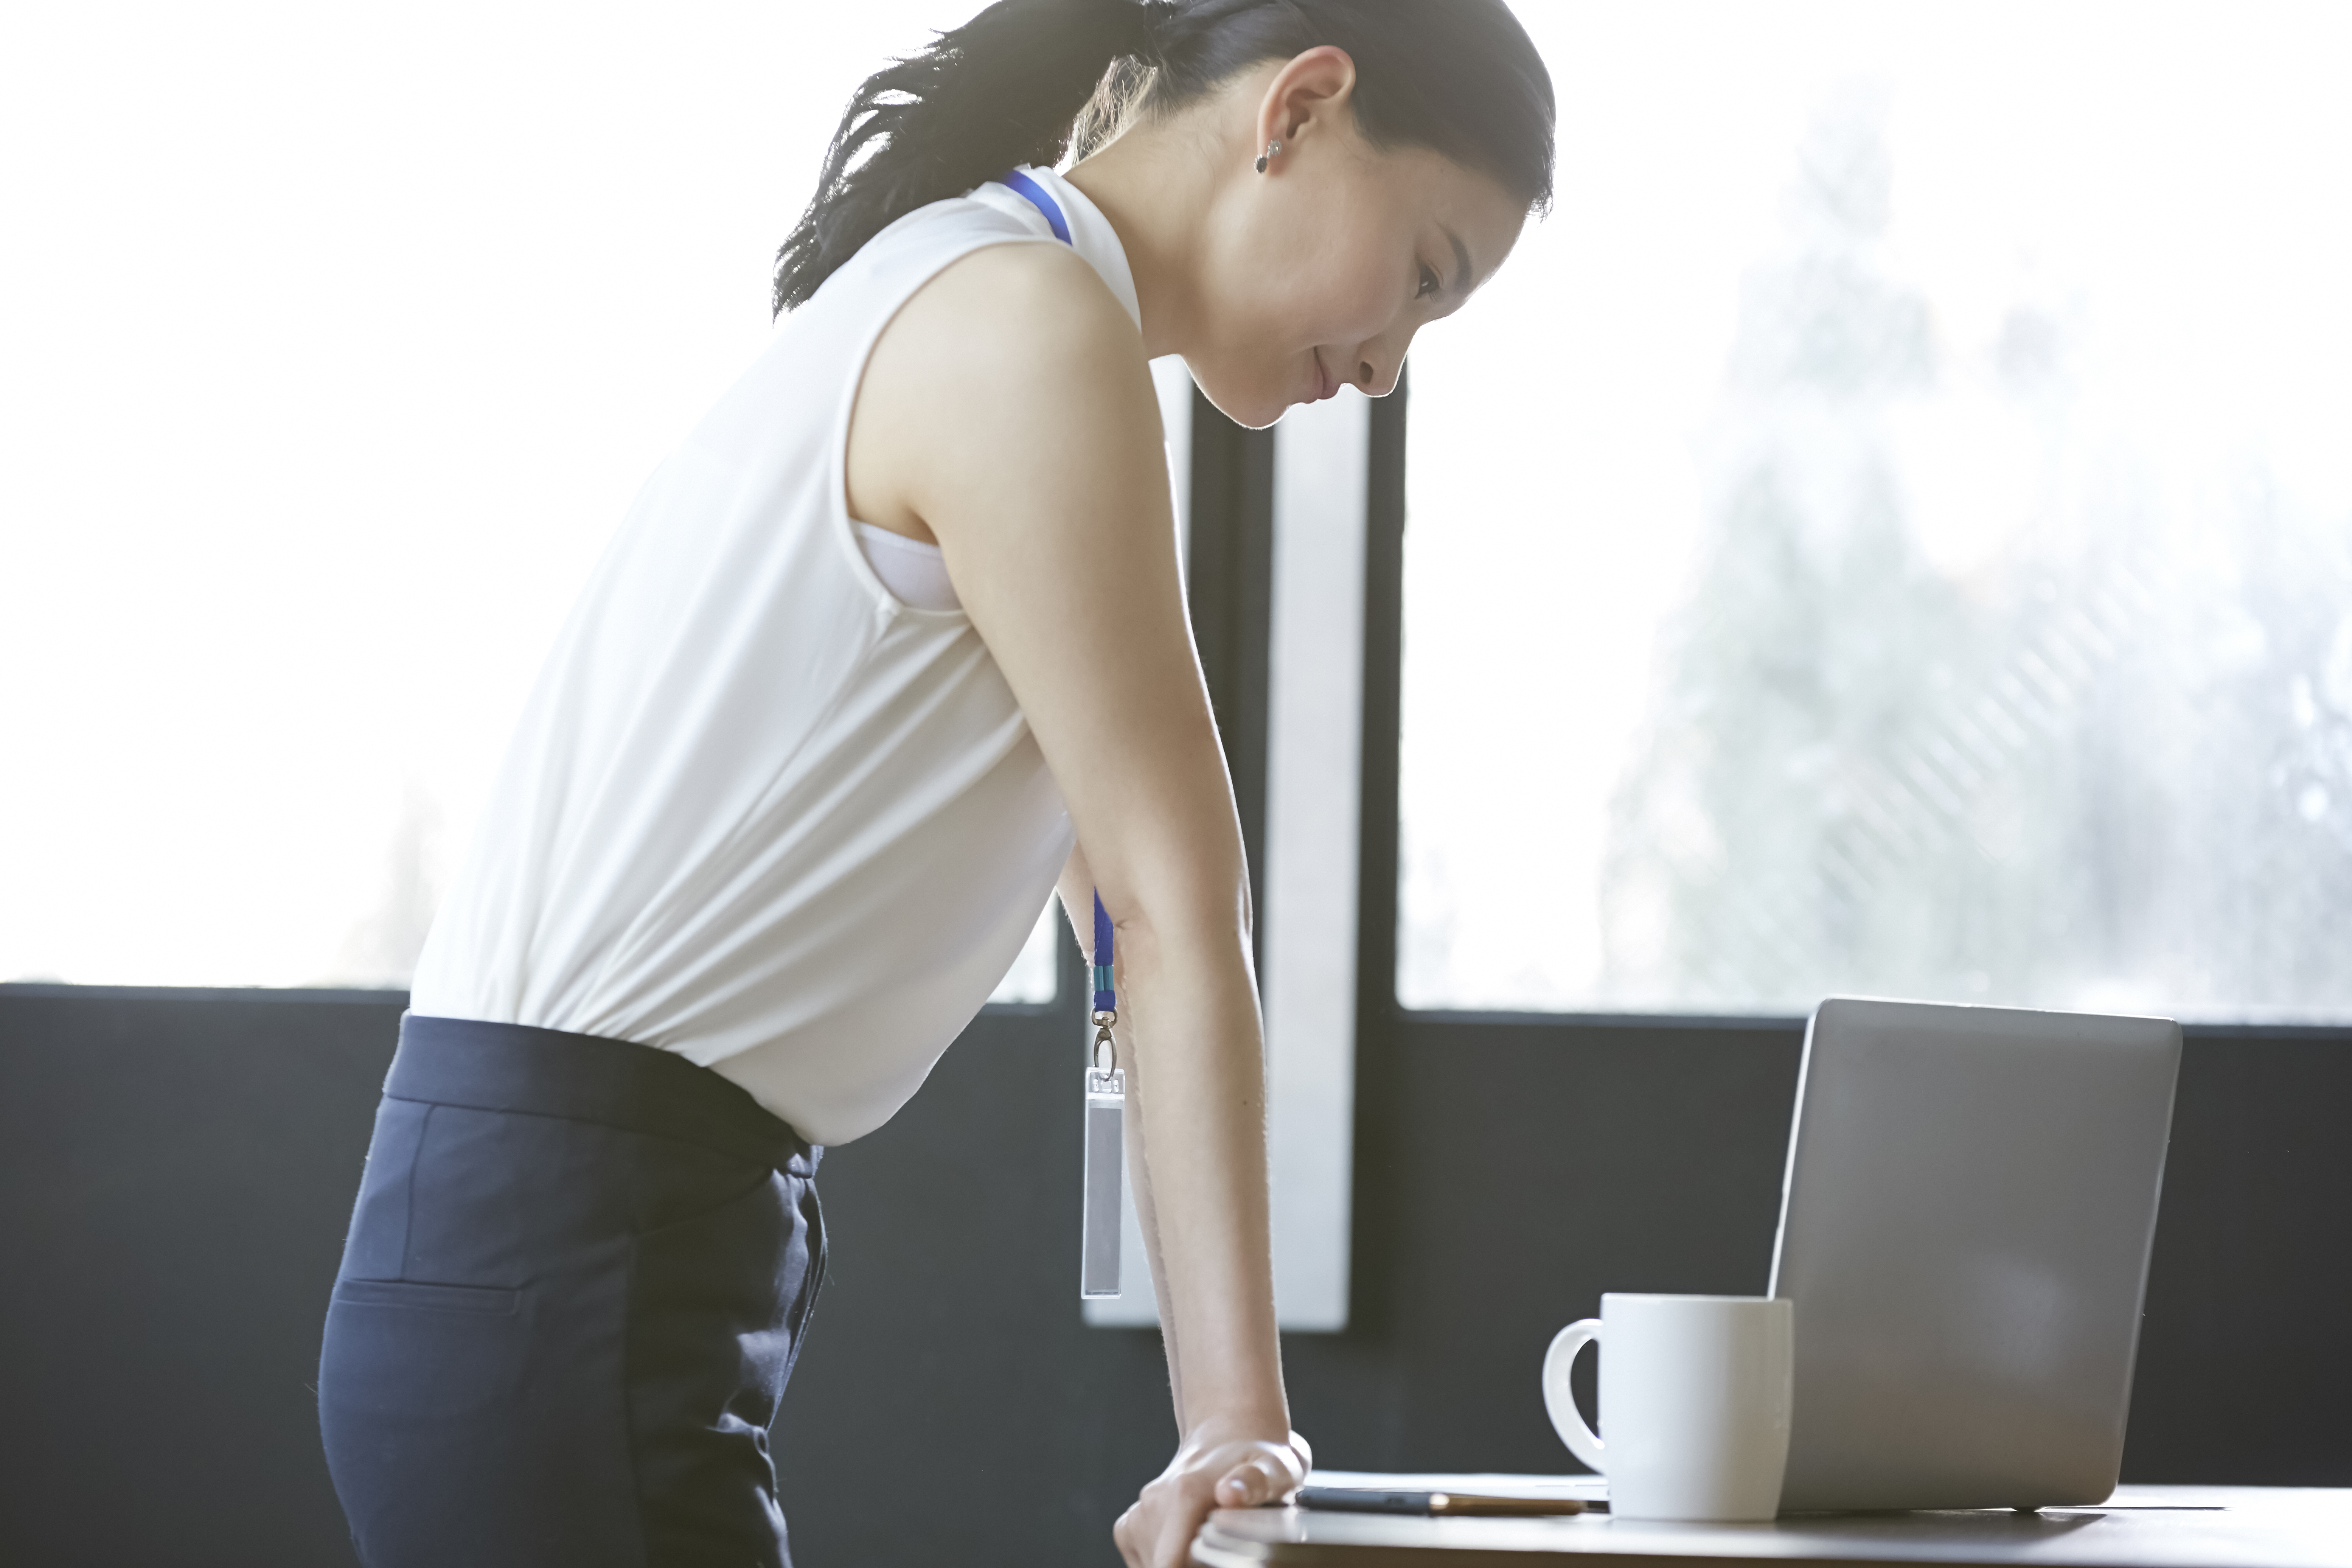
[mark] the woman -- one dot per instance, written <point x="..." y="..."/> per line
<point x="894" y="638"/>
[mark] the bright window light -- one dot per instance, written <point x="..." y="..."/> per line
<point x="339" y="339"/>
<point x="1890" y="528"/>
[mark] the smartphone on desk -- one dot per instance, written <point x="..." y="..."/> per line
<point x="1441" y="1502"/>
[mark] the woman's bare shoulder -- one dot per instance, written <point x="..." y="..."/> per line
<point x="1006" y="347"/>
<point x="1022" y="306"/>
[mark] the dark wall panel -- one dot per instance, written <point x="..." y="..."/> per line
<point x="175" y="1174"/>
<point x="175" y="1177"/>
<point x="2245" y="1366"/>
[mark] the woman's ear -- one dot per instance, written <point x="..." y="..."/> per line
<point x="1309" y="97"/>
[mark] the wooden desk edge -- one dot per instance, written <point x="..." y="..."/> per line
<point x="1214" y="1549"/>
<point x="2281" y="1527"/>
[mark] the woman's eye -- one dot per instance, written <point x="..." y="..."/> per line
<point x="1429" y="283"/>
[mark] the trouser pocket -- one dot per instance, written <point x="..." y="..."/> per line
<point x="411" y="1348"/>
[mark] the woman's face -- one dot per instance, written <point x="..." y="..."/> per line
<point x="1317" y="274"/>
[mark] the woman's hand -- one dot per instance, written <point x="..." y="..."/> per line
<point x="1217" y="1467"/>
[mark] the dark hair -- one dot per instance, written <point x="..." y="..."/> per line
<point x="1016" y="83"/>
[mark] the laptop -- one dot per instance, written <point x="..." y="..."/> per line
<point x="1965" y="1227"/>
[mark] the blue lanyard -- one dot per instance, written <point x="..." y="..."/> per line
<point x="1037" y="198"/>
<point x="1106" y="996"/>
<point x="1106" y="1000"/>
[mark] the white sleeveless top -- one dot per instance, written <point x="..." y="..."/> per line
<point x="758" y="811"/>
<point x="915" y="573"/>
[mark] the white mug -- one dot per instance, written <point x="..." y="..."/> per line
<point x="1694" y="1398"/>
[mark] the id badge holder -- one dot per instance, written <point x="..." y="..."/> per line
<point x="1105" y="1152"/>
<point x="1105" y="1163"/>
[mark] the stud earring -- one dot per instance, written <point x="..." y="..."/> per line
<point x="1271" y="148"/>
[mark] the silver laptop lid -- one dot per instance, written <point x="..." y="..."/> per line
<point x="1965" y="1229"/>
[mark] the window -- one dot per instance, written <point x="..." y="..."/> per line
<point x="1890" y="530"/>
<point x="338" y="343"/>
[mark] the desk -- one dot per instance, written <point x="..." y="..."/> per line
<point x="2139" y="1527"/>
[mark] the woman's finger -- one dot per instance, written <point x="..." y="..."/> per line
<point x="1253" y="1482"/>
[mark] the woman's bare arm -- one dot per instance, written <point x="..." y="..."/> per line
<point x="1008" y="413"/>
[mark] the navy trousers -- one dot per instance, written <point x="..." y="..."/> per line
<point x="577" y="1276"/>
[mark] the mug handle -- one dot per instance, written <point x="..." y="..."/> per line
<point x="1559" y="1400"/>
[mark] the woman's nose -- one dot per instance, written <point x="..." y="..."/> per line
<point x="1378" y="365"/>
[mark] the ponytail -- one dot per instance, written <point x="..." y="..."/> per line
<point x="1004" y="90"/>
<point x="1018" y="82"/>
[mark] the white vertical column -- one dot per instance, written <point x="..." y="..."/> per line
<point x="1313" y="808"/>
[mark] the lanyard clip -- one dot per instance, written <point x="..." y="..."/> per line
<point x="1106" y="1077"/>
